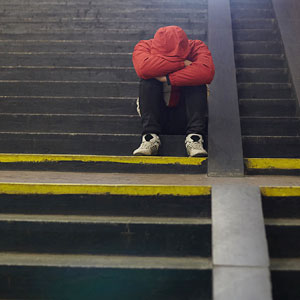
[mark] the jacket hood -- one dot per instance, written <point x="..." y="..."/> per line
<point x="171" y="43"/>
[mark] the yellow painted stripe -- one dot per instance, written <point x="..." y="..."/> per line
<point x="281" y="191"/>
<point x="273" y="163"/>
<point x="160" y="160"/>
<point x="132" y="190"/>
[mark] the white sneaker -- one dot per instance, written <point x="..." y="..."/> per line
<point x="149" y="146"/>
<point x="194" y="145"/>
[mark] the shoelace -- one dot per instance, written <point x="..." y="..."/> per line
<point x="195" y="145"/>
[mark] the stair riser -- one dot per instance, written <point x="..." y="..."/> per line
<point x="263" y="92"/>
<point x="128" y="125"/>
<point x="283" y="241"/>
<point x="285" y="284"/>
<point x="112" y="239"/>
<point x="259" y="61"/>
<point x="263" y="75"/>
<point x="85" y="144"/>
<point x="114" y="2"/>
<point x="68" y="106"/>
<point x="256" y="24"/>
<point x="87" y="36"/>
<point x="252" y="13"/>
<point x="255" y="35"/>
<point x="61" y="74"/>
<point x="267" y="108"/>
<point x="273" y="127"/>
<point x="250" y="5"/>
<point x="271" y="147"/>
<point x="258" y="47"/>
<point x="68" y="46"/>
<point x="98" y="13"/>
<point x="281" y="207"/>
<point x="72" y="89"/>
<point x="108" y="205"/>
<point x="108" y="6"/>
<point x="27" y="282"/>
<point x="69" y="60"/>
<point x="92" y="26"/>
<point x="79" y="124"/>
<point x="93" y="34"/>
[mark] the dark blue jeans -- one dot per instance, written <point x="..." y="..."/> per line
<point x="189" y="116"/>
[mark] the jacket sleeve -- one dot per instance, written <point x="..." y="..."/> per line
<point x="201" y="71"/>
<point x="149" y="66"/>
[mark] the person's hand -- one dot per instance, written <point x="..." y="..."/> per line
<point x="161" y="78"/>
<point x="187" y="63"/>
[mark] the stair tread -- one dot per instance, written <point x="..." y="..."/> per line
<point x="285" y="264"/>
<point x="71" y="219"/>
<point x="103" y="261"/>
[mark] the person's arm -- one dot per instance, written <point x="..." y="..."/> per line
<point x="200" y="71"/>
<point x="165" y="78"/>
<point x="149" y="66"/>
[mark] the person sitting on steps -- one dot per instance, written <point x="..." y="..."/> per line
<point x="173" y="73"/>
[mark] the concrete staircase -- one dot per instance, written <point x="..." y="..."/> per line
<point x="67" y="80"/>
<point x="67" y="102"/>
<point x="269" y="119"/>
<point x="281" y="212"/>
<point x="82" y="242"/>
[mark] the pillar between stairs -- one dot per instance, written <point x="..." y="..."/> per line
<point x="224" y="129"/>
<point x="240" y="251"/>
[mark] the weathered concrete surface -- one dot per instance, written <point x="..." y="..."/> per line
<point x="124" y="178"/>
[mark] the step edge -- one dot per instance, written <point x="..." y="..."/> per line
<point x="102" y="261"/>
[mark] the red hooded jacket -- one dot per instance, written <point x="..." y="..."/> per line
<point x="165" y="55"/>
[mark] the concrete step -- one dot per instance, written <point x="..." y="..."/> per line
<point x="285" y="275"/>
<point x="110" y="228"/>
<point x="104" y="163"/>
<point x="260" y="61"/>
<point x="54" y="24"/>
<point x="89" y="34"/>
<point x="251" y="4"/>
<point x="265" y="24"/>
<point x="270" y="126"/>
<point x="281" y="211"/>
<point x="110" y="124"/>
<point x="69" y="46"/>
<point x="86" y="35"/>
<point x="166" y="205"/>
<point x="106" y="235"/>
<point x="282" y="235"/>
<point x="255" y="35"/>
<point x="267" y="107"/>
<point x="254" y="2"/>
<point x="271" y="146"/>
<point x="67" y="123"/>
<point x="264" y="90"/>
<point x="240" y="13"/>
<point x="112" y="2"/>
<point x="258" y="47"/>
<point x="69" y="88"/>
<point x="54" y="73"/>
<point x="69" y="5"/>
<point x="76" y="143"/>
<point x="97" y="12"/>
<point x="262" y="75"/>
<point x="45" y="276"/>
<point x="273" y="166"/>
<point x="68" y="105"/>
<point x="63" y="59"/>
